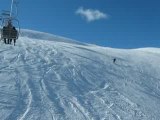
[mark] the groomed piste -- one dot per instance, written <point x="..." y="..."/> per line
<point x="46" y="77"/>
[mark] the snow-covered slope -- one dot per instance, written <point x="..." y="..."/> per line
<point x="46" y="77"/>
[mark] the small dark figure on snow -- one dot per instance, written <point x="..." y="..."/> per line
<point x="114" y="60"/>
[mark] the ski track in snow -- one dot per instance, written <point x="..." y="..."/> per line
<point x="50" y="80"/>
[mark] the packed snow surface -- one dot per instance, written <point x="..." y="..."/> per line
<point x="46" y="77"/>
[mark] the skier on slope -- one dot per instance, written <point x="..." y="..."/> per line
<point x="114" y="60"/>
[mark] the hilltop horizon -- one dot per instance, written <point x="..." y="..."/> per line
<point x="71" y="39"/>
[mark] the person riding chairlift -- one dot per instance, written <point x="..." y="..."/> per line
<point x="9" y="26"/>
<point x="14" y="40"/>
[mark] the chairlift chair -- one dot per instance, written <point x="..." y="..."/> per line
<point x="10" y="28"/>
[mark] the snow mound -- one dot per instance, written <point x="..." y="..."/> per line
<point x="45" y="77"/>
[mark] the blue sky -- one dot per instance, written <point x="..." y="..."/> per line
<point x="122" y="23"/>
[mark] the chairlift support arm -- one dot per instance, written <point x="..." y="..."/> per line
<point x="11" y="8"/>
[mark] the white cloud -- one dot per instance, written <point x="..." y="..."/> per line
<point x="90" y="14"/>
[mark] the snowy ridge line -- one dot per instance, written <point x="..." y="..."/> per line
<point x="46" y="36"/>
